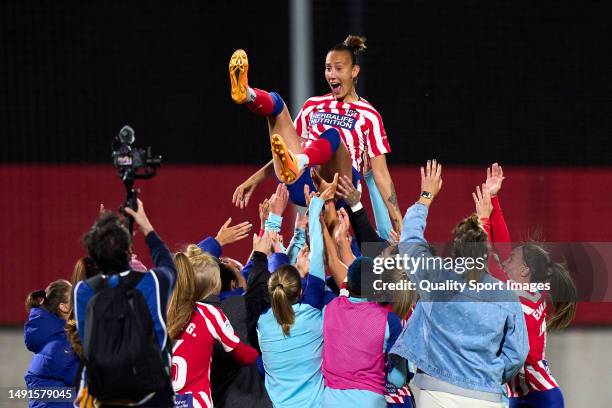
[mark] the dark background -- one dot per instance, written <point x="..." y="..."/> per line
<point x="467" y="82"/>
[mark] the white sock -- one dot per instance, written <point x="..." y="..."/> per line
<point x="303" y="161"/>
<point x="250" y="95"/>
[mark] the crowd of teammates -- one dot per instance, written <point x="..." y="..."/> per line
<point x="296" y="326"/>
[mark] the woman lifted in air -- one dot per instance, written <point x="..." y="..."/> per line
<point x="336" y="132"/>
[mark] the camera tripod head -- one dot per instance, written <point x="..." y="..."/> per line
<point x="131" y="164"/>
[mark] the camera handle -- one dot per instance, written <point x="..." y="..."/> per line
<point x="131" y="198"/>
<point x="131" y="201"/>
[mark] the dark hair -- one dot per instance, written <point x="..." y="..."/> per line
<point x="34" y="299"/>
<point x="360" y="277"/>
<point x="108" y="243"/>
<point x="227" y="276"/>
<point x="470" y="241"/>
<point x="562" y="288"/>
<point x="49" y="299"/>
<point x="354" y="44"/>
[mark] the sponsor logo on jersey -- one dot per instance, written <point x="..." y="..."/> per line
<point x="333" y="119"/>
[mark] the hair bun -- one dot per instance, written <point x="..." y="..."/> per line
<point x="193" y="251"/>
<point x="356" y="43"/>
<point x="469" y="230"/>
<point x="39" y="294"/>
<point x="473" y="222"/>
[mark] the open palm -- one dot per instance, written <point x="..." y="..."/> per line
<point x="495" y="177"/>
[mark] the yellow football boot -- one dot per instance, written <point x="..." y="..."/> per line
<point x="285" y="160"/>
<point x="238" y="70"/>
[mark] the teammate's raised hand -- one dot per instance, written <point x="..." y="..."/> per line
<point x="278" y="201"/>
<point x="330" y="189"/>
<point x="227" y="234"/>
<point x="262" y="244"/>
<point x="243" y="193"/>
<point x="348" y="192"/>
<point x="431" y="181"/>
<point x="482" y="200"/>
<point x="495" y="177"/>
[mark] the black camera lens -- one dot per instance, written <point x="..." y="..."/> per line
<point x="126" y="135"/>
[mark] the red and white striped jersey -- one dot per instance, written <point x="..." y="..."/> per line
<point x="399" y="396"/>
<point x="534" y="375"/>
<point x="360" y="125"/>
<point x="193" y="350"/>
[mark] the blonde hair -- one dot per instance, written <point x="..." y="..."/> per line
<point x="401" y="301"/>
<point x="284" y="287"/>
<point x="197" y="278"/>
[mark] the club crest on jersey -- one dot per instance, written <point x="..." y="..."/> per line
<point x="352" y="113"/>
<point x="334" y="119"/>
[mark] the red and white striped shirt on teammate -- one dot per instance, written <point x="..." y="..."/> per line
<point x="534" y="375"/>
<point x="360" y="125"/>
<point x="193" y="350"/>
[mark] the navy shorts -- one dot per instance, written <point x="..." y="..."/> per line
<point x="296" y="190"/>
<point x="539" y="399"/>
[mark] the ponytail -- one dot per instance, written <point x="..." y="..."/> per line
<point x="84" y="269"/>
<point x="354" y="44"/>
<point x="197" y="277"/>
<point x="284" y="287"/>
<point x="563" y="291"/>
<point x="49" y="299"/>
<point x="34" y="299"/>
<point x="73" y="337"/>
<point x="181" y="302"/>
<point x="401" y="301"/>
<point x="283" y="312"/>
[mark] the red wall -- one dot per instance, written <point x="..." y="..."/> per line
<point x="45" y="209"/>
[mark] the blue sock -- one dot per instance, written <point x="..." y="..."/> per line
<point x="333" y="137"/>
<point x="279" y="104"/>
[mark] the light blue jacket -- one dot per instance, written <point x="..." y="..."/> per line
<point x="292" y="363"/>
<point x="476" y="341"/>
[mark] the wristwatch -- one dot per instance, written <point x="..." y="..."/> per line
<point x="427" y="195"/>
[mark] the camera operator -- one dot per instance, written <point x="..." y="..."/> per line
<point x="124" y="382"/>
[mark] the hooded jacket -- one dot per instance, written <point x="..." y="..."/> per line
<point x="54" y="363"/>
